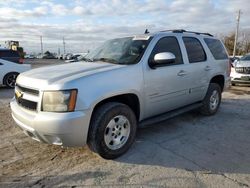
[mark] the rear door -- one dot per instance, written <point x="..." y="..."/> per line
<point x="199" y="68"/>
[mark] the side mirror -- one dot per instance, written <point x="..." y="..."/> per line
<point x="161" y="59"/>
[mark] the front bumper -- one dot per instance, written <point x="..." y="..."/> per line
<point x="65" y="129"/>
<point x="238" y="78"/>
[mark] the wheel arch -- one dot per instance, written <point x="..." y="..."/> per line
<point x="130" y="99"/>
<point x="220" y="80"/>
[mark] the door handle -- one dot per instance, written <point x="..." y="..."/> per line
<point x="208" y="68"/>
<point x="182" y="73"/>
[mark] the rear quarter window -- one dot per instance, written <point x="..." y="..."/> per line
<point x="216" y="48"/>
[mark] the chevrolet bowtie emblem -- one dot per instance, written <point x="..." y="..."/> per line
<point x="19" y="94"/>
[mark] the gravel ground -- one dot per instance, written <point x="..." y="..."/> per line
<point x="187" y="151"/>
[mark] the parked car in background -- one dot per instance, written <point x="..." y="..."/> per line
<point x="29" y="56"/>
<point x="68" y="56"/>
<point x="9" y="72"/>
<point x="74" y="58"/>
<point x="77" y="57"/>
<point x="10" y="55"/>
<point x="241" y="72"/>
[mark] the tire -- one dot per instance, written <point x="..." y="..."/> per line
<point x="9" y="79"/>
<point x="109" y="123"/>
<point x="212" y="100"/>
<point x="233" y="84"/>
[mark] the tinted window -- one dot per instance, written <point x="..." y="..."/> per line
<point x="168" y="44"/>
<point x="216" y="48"/>
<point x="8" y="53"/>
<point x="194" y="49"/>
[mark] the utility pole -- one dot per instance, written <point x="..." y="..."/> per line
<point x="237" y="32"/>
<point x="64" y="44"/>
<point x="41" y="40"/>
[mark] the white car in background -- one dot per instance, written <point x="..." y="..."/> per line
<point x="241" y="71"/>
<point x="9" y="72"/>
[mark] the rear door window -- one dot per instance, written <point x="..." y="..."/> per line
<point x="216" y="48"/>
<point x="194" y="49"/>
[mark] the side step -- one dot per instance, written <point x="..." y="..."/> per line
<point x="168" y="115"/>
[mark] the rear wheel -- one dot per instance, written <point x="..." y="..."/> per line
<point x="10" y="79"/>
<point x="112" y="130"/>
<point x="212" y="100"/>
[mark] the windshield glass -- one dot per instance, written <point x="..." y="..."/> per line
<point x="245" y="58"/>
<point x="127" y="50"/>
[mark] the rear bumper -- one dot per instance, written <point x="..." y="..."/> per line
<point x="66" y="129"/>
<point x="237" y="78"/>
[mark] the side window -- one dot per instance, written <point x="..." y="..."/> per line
<point x="168" y="44"/>
<point x="216" y="48"/>
<point x="194" y="49"/>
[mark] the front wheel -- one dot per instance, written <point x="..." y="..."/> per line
<point x="212" y="100"/>
<point x="10" y="79"/>
<point x="112" y="130"/>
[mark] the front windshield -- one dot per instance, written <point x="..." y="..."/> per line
<point x="127" y="50"/>
<point x="245" y="58"/>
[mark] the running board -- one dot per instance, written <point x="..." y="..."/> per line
<point x="168" y="115"/>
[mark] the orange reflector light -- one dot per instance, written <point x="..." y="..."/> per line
<point x="72" y="100"/>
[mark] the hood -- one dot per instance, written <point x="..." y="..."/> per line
<point x="66" y="72"/>
<point x="243" y="64"/>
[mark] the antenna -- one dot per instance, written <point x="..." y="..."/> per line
<point x="146" y="31"/>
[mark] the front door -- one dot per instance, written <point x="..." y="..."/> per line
<point x="165" y="87"/>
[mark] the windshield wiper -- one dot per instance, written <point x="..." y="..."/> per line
<point x="108" y="60"/>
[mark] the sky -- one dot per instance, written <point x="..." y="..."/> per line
<point x="85" y="24"/>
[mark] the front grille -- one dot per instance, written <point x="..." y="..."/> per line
<point x="24" y="102"/>
<point x="30" y="105"/>
<point x="243" y="70"/>
<point x="27" y="90"/>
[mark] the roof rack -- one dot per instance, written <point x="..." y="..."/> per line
<point x="184" y="31"/>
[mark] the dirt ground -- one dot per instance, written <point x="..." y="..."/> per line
<point x="187" y="151"/>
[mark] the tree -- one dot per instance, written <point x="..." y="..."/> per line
<point x="243" y="45"/>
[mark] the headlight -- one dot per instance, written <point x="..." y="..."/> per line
<point x="59" y="101"/>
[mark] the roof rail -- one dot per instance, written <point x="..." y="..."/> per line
<point x="184" y="31"/>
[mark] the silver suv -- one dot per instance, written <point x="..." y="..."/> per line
<point x="125" y="83"/>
